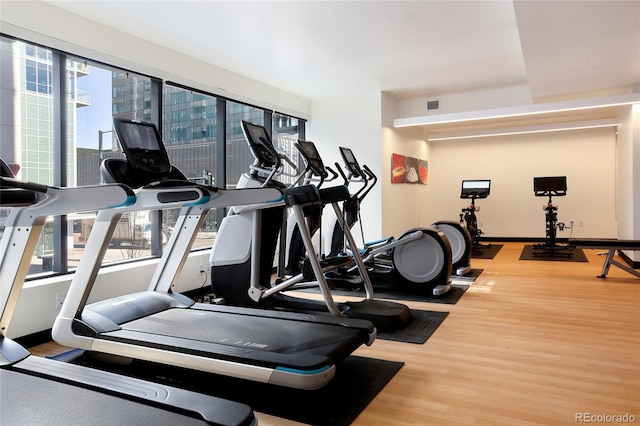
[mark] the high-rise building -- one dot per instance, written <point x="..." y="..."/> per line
<point x="27" y="118"/>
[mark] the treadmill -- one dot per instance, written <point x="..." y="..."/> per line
<point x="35" y="390"/>
<point x="160" y="325"/>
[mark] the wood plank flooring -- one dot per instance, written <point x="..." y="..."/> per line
<point x="530" y="343"/>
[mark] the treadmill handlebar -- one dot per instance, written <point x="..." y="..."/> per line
<point x="54" y="201"/>
<point x="7" y="182"/>
<point x="178" y="183"/>
<point x="15" y="197"/>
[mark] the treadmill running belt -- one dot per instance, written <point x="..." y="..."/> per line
<point x="297" y="344"/>
<point x="30" y="400"/>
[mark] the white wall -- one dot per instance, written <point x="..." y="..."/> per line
<point x="628" y="179"/>
<point x="404" y="206"/>
<point x="586" y="157"/>
<point x="42" y="22"/>
<point x="461" y="102"/>
<point x="352" y="122"/>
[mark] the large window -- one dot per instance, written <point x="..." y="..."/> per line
<point x="239" y="156"/>
<point x="68" y="152"/>
<point x="27" y="126"/>
<point x="189" y="131"/>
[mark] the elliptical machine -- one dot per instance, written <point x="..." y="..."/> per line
<point x="419" y="261"/>
<point x="549" y="187"/>
<point x="243" y="253"/>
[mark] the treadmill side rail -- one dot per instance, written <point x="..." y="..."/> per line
<point x="211" y="409"/>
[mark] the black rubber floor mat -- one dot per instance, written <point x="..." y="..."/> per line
<point x="486" y="251"/>
<point x="357" y="382"/>
<point x="530" y="252"/>
<point x="421" y="328"/>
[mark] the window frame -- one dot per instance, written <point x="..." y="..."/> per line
<point x="60" y="91"/>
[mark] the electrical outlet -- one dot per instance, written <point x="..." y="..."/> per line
<point x="204" y="269"/>
<point x="581" y="222"/>
<point x="59" y="300"/>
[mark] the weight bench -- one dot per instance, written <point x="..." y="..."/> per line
<point x="612" y="246"/>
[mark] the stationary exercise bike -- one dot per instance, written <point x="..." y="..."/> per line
<point x="474" y="189"/>
<point x="419" y="261"/>
<point x="549" y="187"/>
<point x="243" y="253"/>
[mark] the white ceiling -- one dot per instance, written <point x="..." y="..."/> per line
<point x="321" y="49"/>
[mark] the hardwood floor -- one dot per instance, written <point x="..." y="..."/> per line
<point x="530" y="343"/>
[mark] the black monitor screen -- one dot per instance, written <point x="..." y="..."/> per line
<point x="139" y="136"/>
<point x="553" y="184"/>
<point x="475" y="188"/>
<point x="260" y="143"/>
<point x="142" y="146"/>
<point x="310" y="152"/>
<point x="350" y="161"/>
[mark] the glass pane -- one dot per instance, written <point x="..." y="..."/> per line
<point x="239" y="156"/>
<point x="27" y="146"/>
<point x="189" y="133"/>
<point x="285" y="135"/>
<point x="97" y="94"/>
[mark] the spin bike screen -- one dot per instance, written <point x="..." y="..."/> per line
<point x="550" y="185"/>
<point x="350" y="162"/>
<point x="475" y="188"/>
<point x="311" y="155"/>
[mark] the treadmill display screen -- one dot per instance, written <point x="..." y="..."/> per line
<point x="350" y="161"/>
<point x="475" y="188"/>
<point x="310" y="152"/>
<point x="142" y="145"/>
<point x="138" y="136"/>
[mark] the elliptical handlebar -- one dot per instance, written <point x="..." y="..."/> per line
<point x="344" y="177"/>
<point x="333" y="174"/>
<point x="366" y="177"/>
<point x="372" y="177"/>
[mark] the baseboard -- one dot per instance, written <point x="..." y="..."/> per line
<point x="34" y="339"/>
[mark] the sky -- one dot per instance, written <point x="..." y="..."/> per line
<point x="97" y="116"/>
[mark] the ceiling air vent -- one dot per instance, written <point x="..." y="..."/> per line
<point x="432" y="105"/>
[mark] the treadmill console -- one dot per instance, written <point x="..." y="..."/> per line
<point x="312" y="157"/>
<point x="550" y="185"/>
<point x="142" y="145"/>
<point x="350" y="162"/>
<point x="260" y="144"/>
<point x="475" y="188"/>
